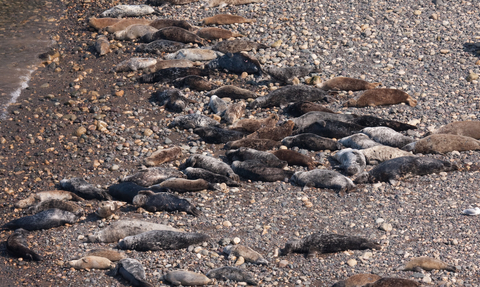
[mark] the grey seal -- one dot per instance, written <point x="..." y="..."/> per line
<point x="173" y="73"/>
<point x="133" y="271"/>
<point x="393" y="282"/>
<point x="163" y="155"/>
<point x="352" y="161"/>
<point x="17" y="246"/>
<point x="295" y="158"/>
<point x="347" y="84"/>
<point x="212" y="164"/>
<point x="357" y="280"/>
<point x="463" y="128"/>
<point x="238" y="45"/>
<point x="43" y="220"/>
<point x="233" y="92"/>
<point x="380" y="153"/>
<point x="311" y="142"/>
<point x="163" y="201"/>
<point x="193" y="121"/>
<point x="246" y="252"/>
<point x="245" y="153"/>
<point x="217" y="135"/>
<point x="120" y="11"/>
<point x="236" y="63"/>
<point x="59" y="204"/>
<point x="153" y="175"/>
<point x="323" y="179"/>
<point x="232" y="273"/>
<point x="330" y="129"/>
<point x="160" y="46"/>
<point x="258" y="171"/>
<point x="258" y="144"/>
<point x="186" y="278"/>
<point x="358" y="141"/>
<point x="289" y="94"/>
<point x="161" y="240"/>
<point x="173" y="34"/>
<point x="84" y="189"/>
<point x="285" y="75"/>
<point x="443" y="143"/>
<point x="195" y="173"/>
<point x="387" y="136"/>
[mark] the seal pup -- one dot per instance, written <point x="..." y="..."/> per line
<point x="164" y="23"/>
<point x="258" y="144"/>
<point x="110" y="254"/>
<point x="393" y="282"/>
<point x="173" y="99"/>
<point x="387" y="136"/>
<point x="381" y="97"/>
<point x="236" y="63"/>
<point x="300" y="108"/>
<point x="192" y="54"/>
<point x="357" y="280"/>
<point x="170" y="74"/>
<point x="394" y="169"/>
<point x="471" y="211"/>
<point x="91" y="262"/>
<point x="426" y="263"/>
<point x="176" y="34"/>
<point x="125" y="191"/>
<point x="212" y="33"/>
<point x="381" y="153"/>
<point x="347" y="84"/>
<point x="153" y="175"/>
<point x="59" y="204"/>
<point x="443" y="143"/>
<point x="125" y="23"/>
<point x="134" y="64"/>
<point x="121" y="11"/>
<point x="134" y="32"/>
<point x="195" y="173"/>
<point x="185" y="185"/>
<point x="163" y="201"/>
<point x="47" y="195"/>
<point x="246" y="252"/>
<point x="100" y="23"/>
<point x="295" y="158"/>
<point x="215" y="3"/>
<point x="17" y="246"/>
<point x="275" y="133"/>
<point x="287" y="74"/>
<point x="212" y="164"/>
<point x="321" y="178"/>
<point x="233" y="92"/>
<point x="193" y="121"/>
<point x="328" y="243"/>
<point x="102" y="46"/>
<point x="233" y="112"/>
<point x="108" y="208"/>
<point x="226" y="19"/>
<point x="217" y="105"/>
<point x="252" y="125"/>
<point x="233" y="274"/>
<point x="133" y="271"/>
<point x="43" y="220"/>
<point x="245" y="153"/>
<point x="463" y="128"/>
<point x="218" y="135"/>
<point x="237" y="46"/>
<point x="123" y="228"/>
<point x="257" y="171"/>
<point x="84" y="189"/>
<point x="330" y="129"/>
<point x="163" y="156"/>
<point x="161" y="240"/>
<point x="352" y="161"/>
<point x="289" y="94"/>
<point x="358" y="141"/>
<point x="186" y="278"/>
<point x="160" y="46"/>
<point x="194" y="83"/>
<point x="311" y="142"/>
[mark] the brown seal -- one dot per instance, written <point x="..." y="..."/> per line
<point x="428" y="264"/>
<point x="91" y="262"/>
<point x="233" y="92"/>
<point x="347" y="84"/>
<point x="107" y="208"/>
<point x="163" y="155"/>
<point x="213" y="33"/>
<point x="174" y="34"/>
<point x="295" y="158"/>
<point x="258" y="144"/>
<point x="110" y="254"/>
<point x="464" y="128"/>
<point x="357" y="280"/>
<point x="215" y="3"/>
<point x="252" y="125"/>
<point x="193" y="82"/>
<point x="102" y="46"/>
<point x="443" y="143"/>
<point x="393" y="282"/>
<point x="301" y="108"/>
<point x="124" y="23"/>
<point x="238" y="45"/>
<point x="276" y="133"/>
<point x="163" y="23"/>
<point x="100" y="23"/>
<point x="226" y="19"/>
<point x="233" y="112"/>
<point x="165" y="64"/>
<point x="381" y="97"/>
<point x="185" y="185"/>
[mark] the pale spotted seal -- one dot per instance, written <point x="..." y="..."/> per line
<point x="218" y="135"/>
<point x="133" y="271"/>
<point x="252" y="125"/>
<point x="91" y="262"/>
<point x="245" y="153"/>
<point x="300" y="108"/>
<point x="426" y="263"/>
<point x="258" y="144"/>
<point x="328" y="243"/>
<point x="212" y="164"/>
<point x="233" y="92"/>
<point x="170" y="74"/>
<point x="357" y="280"/>
<point x="330" y="129"/>
<point x="215" y="3"/>
<point x="295" y="158"/>
<point x="84" y="189"/>
<point x="161" y="46"/>
<point x="358" y="141"/>
<point x="125" y="23"/>
<point x="275" y="133"/>
<point x="102" y="46"/>
<point x="226" y="19"/>
<point x="287" y="74"/>
<point x="258" y="171"/>
<point x="289" y="94"/>
<point x="232" y="273"/>
<point x="163" y="201"/>
<point x="381" y="97"/>
<point x="120" y="11"/>
<point x="59" y="204"/>
<point x="134" y="32"/>
<point x="443" y="143"/>
<point x="174" y="34"/>
<point x="246" y="252"/>
<point x="163" y="155"/>
<point x="311" y="142"/>
<point x="192" y="54"/>
<point x="153" y="175"/>
<point x="212" y="33"/>
<point x="134" y="64"/>
<point x="381" y="153"/>
<point x="186" y="278"/>
<point x="352" y="161"/>
<point x="347" y="84"/>
<point x="17" y="246"/>
<point x="184" y="185"/>
<point x="43" y="220"/>
<point x="321" y="178"/>
<point x="238" y="45"/>
<point x="195" y="173"/>
<point x="464" y="128"/>
<point x="387" y="136"/>
<point x="193" y="121"/>
<point x="236" y="63"/>
<point x="47" y="195"/>
<point x="110" y="254"/>
<point x="393" y="282"/>
<point x="161" y="240"/>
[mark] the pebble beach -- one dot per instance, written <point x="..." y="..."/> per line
<point x="78" y="119"/>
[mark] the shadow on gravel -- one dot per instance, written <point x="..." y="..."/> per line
<point x="472" y="48"/>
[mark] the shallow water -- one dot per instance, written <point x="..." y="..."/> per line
<point x="24" y="34"/>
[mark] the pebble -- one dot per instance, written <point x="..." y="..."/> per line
<point x="387" y="227"/>
<point x="472" y="77"/>
<point x="80" y="131"/>
<point x="227" y="224"/>
<point x="236" y="240"/>
<point x="240" y="261"/>
<point x="114" y="167"/>
<point x="282" y="263"/>
<point x="352" y="262"/>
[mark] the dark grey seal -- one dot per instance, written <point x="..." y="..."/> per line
<point x="233" y="92"/>
<point x="245" y="153"/>
<point x="170" y="74"/>
<point x="161" y="240"/>
<point x="194" y="173"/>
<point x="217" y="135"/>
<point x="163" y="201"/>
<point x="212" y="164"/>
<point x="84" y="189"/>
<point x="160" y="46"/>
<point x="236" y="63"/>
<point x="285" y="75"/>
<point x="291" y="94"/>
<point x="173" y="99"/>
<point x="133" y="271"/>
<point x="311" y="142"/>
<point x="173" y="34"/>
<point x="330" y="129"/>
<point x="256" y="170"/>
<point x="17" y="246"/>
<point x="125" y="191"/>
<point x="153" y="175"/>
<point x="43" y="220"/>
<point x="232" y="273"/>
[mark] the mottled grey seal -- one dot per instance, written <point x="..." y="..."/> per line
<point x="163" y="155"/>
<point x="110" y="254"/>
<point x="153" y="175"/>
<point x="246" y="252"/>
<point x="321" y="178"/>
<point x="120" y="11"/>
<point x="217" y="105"/>
<point x="195" y="173"/>
<point x="287" y="74"/>
<point x="238" y="45"/>
<point x="300" y="108"/>
<point x="236" y="63"/>
<point x="232" y="273"/>
<point x="125" y="23"/>
<point x="358" y="141"/>
<point x="192" y="54"/>
<point x="193" y="121"/>
<point x="160" y="46"/>
<point x="215" y="3"/>
<point x="59" y="204"/>
<point x="258" y="144"/>
<point x="226" y="19"/>
<point x="161" y="240"/>
<point x="311" y="117"/>
<point x="311" y="142"/>
<point x="357" y="280"/>
<point x="173" y="99"/>
<point x="233" y="112"/>
<point x="17" y="246"/>
<point x="381" y="153"/>
<point x="134" y="64"/>
<point x="194" y="83"/>
<point x="381" y="97"/>
<point x="295" y="158"/>
<point x="163" y="201"/>
<point x="217" y="135"/>
<point x="394" y="169"/>
<point x="258" y="171"/>
<point x="352" y="161"/>
<point x="91" y="262"/>
<point x="233" y="92"/>
<point x="330" y="129"/>
<point x="252" y="125"/>
<point x="186" y="278"/>
<point x="134" y="32"/>
<point x="84" y="189"/>
<point x="164" y="23"/>
<point x="43" y="220"/>
<point x="212" y="164"/>
<point x="275" y="133"/>
<point x="443" y="143"/>
<point x="170" y="74"/>
<point x="245" y="153"/>
<point x="123" y="228"/>
<point x="463" y="128"/>
<point x="102" y="46"/>
<point x="387" y="136"/>
<point x="328" y="243"/>
<point x="289" y="94"/>
<point x="347" y="84"/>
<point x="393" y="282"/>
<point x="184" y="185"/>
<point x="133" y="271"/>
<point x="174" y="34"/>
<point x="426" y="263"/>
<point x="213" y="33"/>
<point x="47" y="195"/>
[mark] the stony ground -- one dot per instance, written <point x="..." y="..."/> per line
<point x="426" y="48"/>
